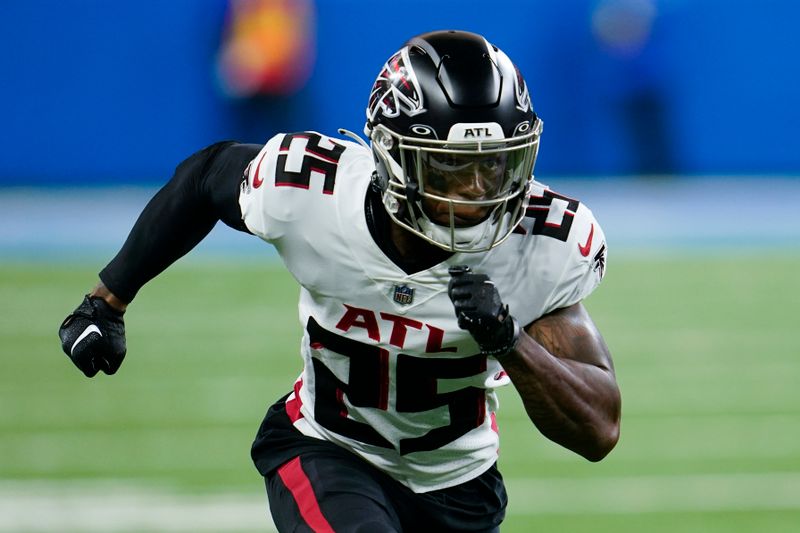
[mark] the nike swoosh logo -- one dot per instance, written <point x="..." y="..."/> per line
<point x="91" y="328"/>
<point x="257" y="179"/>
<point x="584" y="250"/>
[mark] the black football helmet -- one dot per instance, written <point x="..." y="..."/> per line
<point x="452" y="128"/>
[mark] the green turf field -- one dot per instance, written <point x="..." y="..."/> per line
<point x="707" y="353"/>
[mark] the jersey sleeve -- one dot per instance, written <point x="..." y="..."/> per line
<point x="287" y="180"/>
<point x="261" y="211"/>
<point x="585" y="264"/>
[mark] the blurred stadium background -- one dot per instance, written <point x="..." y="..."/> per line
<point x="675" y="121"/>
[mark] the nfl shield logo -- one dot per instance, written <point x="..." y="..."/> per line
<point x="403" y="294"/>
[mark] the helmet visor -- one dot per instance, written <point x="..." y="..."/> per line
<point x="463" y="183"/>
<point x="469" y="177"/>
<point x="461" y="195"/>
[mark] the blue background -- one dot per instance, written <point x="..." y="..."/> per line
<point x="99" y="92"/>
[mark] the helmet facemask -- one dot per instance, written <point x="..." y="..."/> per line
<point x="460" y="195"/>
<point x="455" y="138"/>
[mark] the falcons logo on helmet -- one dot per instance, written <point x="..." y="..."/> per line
<point x="599" y="261"/>
<point x="521" y="90"/>
<point x="396" y="89"/>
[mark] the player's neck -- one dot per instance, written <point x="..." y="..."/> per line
<point x="414" y="249"/>
<point x="409" y="252"/>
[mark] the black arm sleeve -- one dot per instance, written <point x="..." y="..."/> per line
<point x="203" y="190"/>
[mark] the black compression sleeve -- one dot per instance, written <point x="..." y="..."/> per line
<point x="203" y="190"/>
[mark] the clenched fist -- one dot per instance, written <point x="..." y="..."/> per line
<point x="93" y="336"/>
<point x="480" y="311"/>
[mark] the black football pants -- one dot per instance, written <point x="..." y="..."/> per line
<point x="323" y="492"/>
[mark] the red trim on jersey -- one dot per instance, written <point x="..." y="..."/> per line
<point x="340" y="400"/>
<point x="494" y="423"/>
<point x="323" y="156"/>
<point x="481" y="409"/>
<point x="295" y="136"/>
<point x="293" y="406"/>
<point x="290" y="184"/>
<point x="562" y="196"/>
<point x="299" y="485"/>
<point x="315" y="169"/>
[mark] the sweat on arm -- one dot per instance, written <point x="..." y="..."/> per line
<point x="203" y="190"/>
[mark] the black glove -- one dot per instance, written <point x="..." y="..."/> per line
<point x="93" y="336"/>
<point x="480" y="311"/>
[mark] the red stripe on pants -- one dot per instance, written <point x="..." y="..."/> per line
<point x="299" y="485"/>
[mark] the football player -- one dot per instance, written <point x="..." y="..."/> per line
<point x="433" y="270"/>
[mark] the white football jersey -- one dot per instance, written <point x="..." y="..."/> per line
<point x="387" y="373"/>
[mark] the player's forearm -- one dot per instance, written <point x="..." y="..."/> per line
<point x="173" y="222"/>
<point x="574" y="404"/>
<point x="202" y="192"/>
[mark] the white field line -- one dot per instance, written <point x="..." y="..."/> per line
<point x="118" y="507"/>
<point x="648" y="494"/>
